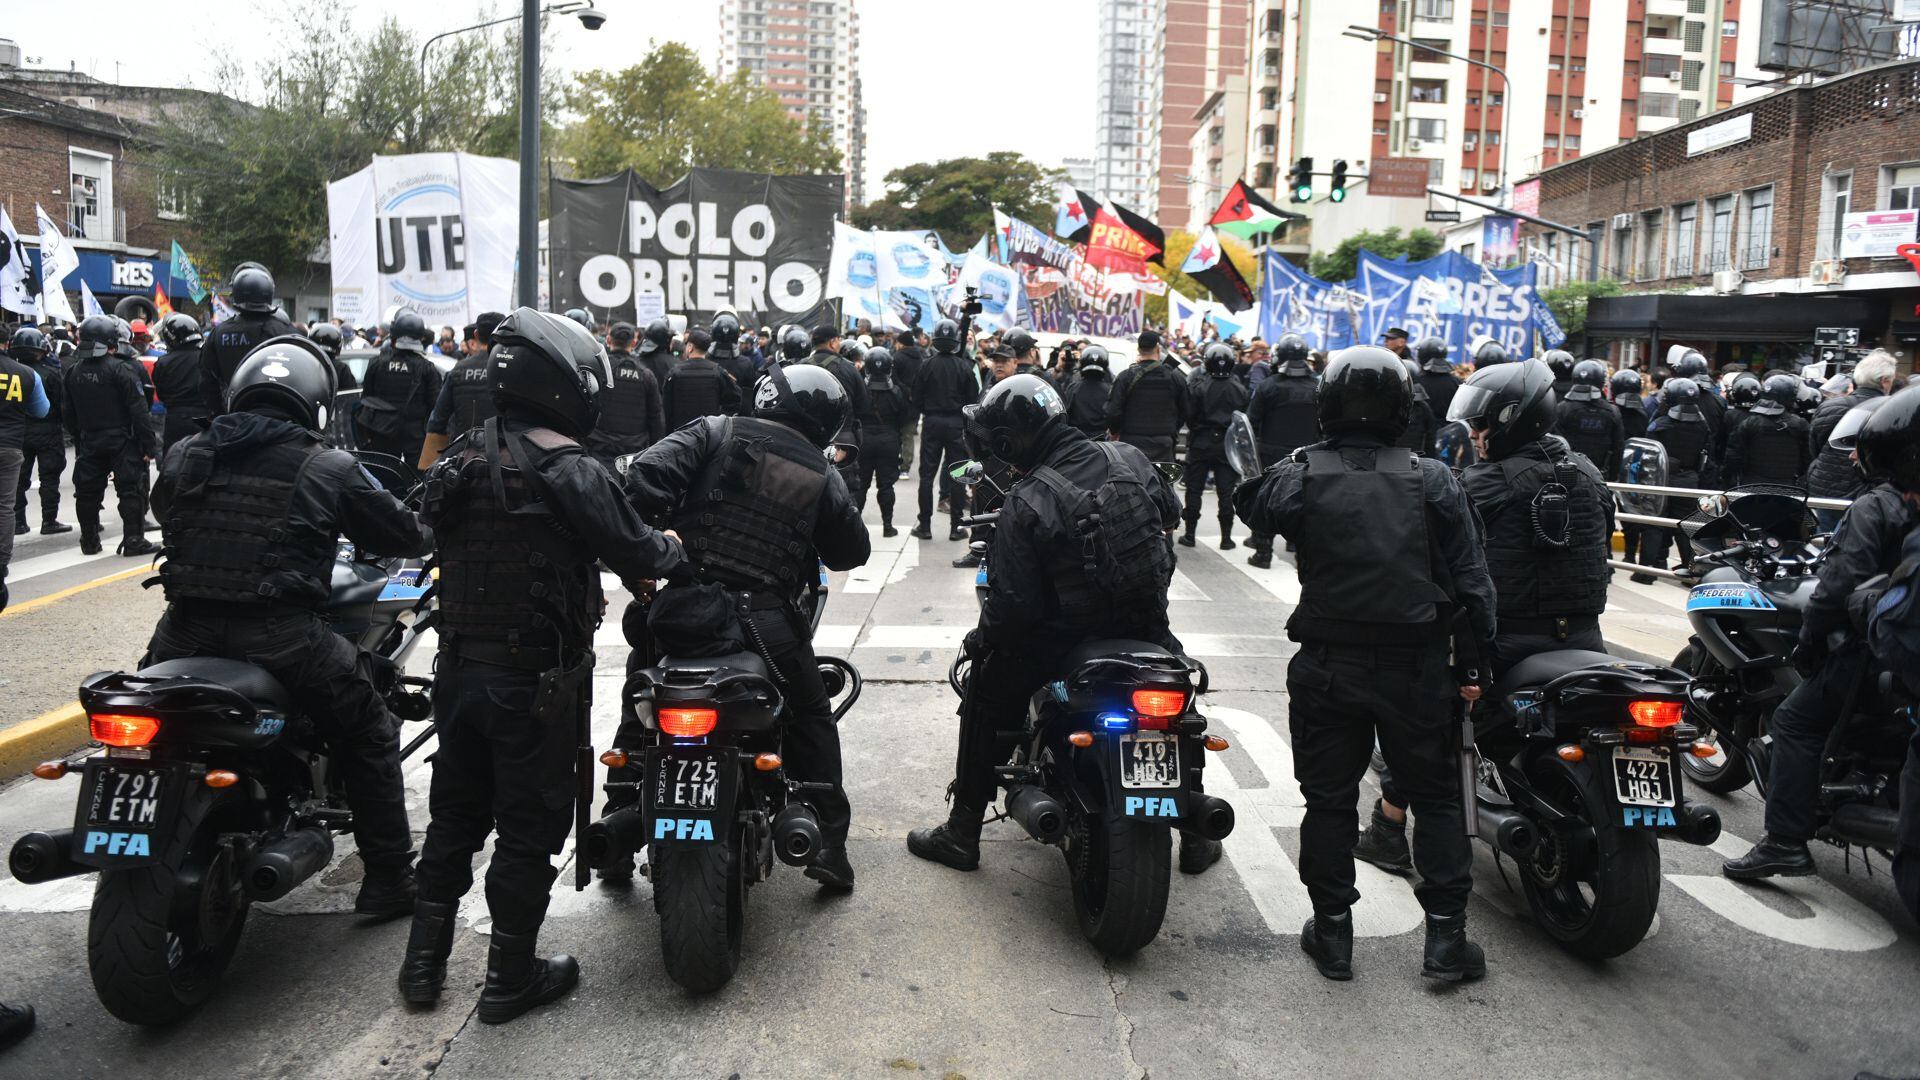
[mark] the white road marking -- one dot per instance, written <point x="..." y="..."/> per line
<point x="891" y="560"/>
<point x="913" y="637"/>
<point x="1280" y="580"/>
<point x="831" y="636"/>
<point x="1183" y="588"/>
<point x="49" y="564"/>
<point x="1834" y="921"/>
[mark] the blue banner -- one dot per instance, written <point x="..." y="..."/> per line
<point x="1448" y="296"/>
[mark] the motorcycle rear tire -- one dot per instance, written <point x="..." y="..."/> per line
<point x="700" y="893"/>
<point x="1120" y="897"/>
<point x="1733" y="771"/>
<point x="1625" y="879"/>
<point x="135" y="922"/>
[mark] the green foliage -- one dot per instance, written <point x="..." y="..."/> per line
<point x="1179" y="244"/>
<point x="957" y="197"/>
<point x="1343" y="261"/>
<point x="668" y="114"/>
<point x="1569" y="302"/>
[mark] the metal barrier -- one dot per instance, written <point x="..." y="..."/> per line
<point x="1674" y="523"/>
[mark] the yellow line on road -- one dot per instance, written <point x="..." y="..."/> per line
<point x="55" y="597"/>
<point x="48" y="735"/>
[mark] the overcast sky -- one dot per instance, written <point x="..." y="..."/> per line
<point x="941" y="80"/>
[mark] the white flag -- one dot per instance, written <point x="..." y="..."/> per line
<point x="1183" y="314"/>
<point x="853" y="273"/>
<point x="57" y="260"/>
<point x="89" y="307"/>
<point x="17" y="289"/>
<point x="1000" y="290"/>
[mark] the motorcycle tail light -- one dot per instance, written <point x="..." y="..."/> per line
<point x="688" y="723"/>
<point x="123" y="729"/>
<point x="1655" y="714"/>
<point x="1160" y="704"/>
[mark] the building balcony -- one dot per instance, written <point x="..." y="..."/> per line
<point x="1660" y="84"/>
<point x="1664" y="46"/>
<point x="1667" y="8"/>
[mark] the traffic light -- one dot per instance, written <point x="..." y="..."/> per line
<point x="1302" y="180"/>
<point x="1338" y="192"/>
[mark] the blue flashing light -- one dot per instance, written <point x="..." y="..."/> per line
<point x="1116" y="721"/>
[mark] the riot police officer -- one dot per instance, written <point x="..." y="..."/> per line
<point x="1627" y="389"/>
<point x="401" y="388"/>
<point x="1147" y="404"/>
<point x="331" y="341"/>
<point x="1486" y="353"/>
<point x="520" y="514"/>
<point x="22" y="398"/>
<point x="634" y="414"/>
<point x="251" y="511"/>
<point x="1682" y="428"/>
<point x="1213" y="396"/>
<point x="839" y="359"/>
<point x="946" y="386"/>
<point x="43" y="443"/>
<point x="1713" y="411"/>
<point x="176" y="379"/>
<point x="697" y="387"/>
<point x="656" y="351"/>
<point x="105" y="412"/>
<point x="466" y="394"/>
<point x="725" y="351"/>
<point x="1043" y="599"/>
<point x="1560" y="363"/>
<point x="1285" y="416"/>
<point x="886" y="413"/>
<point x="1589" y="422"/>
<point x="732" y="486"/>
<point x="1086" y="397"/>
<point x="1421" y="426"/>
<point x="1833" y="475"/>
<point x="1436" y="375"/>
<point x="1388" y="549"/>
<point x="1769" y="444"/>
<point x="233" y="338"/>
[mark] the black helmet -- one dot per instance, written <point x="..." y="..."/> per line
<point x="1589" y="381"/>
<point x="725" y="330"/>
<point x="1846" y="431"/>
<point x="1490" y="353"/>
<point x="852" y="351"/>
<point x="1010" y="420"/>
<point x="550" y="367"/>
<point x="1291" y="353"/>
<point x="179" y="329"/>
<point x="1560" y="362"/>
<point x="580" y="316"/>
<point x="1889" y="445"/>
<point x="795" y="343"/>
<point x="879" y="366"/>
<point x="1691" y="365"/>
<point x="252" y="288"/>
<point x="1094" y="357"/>
<point x="1420" y="397"/>
<point x="1219" y="360"/>
<point x="659" y="336"/>
<point x="1625" y="383"/>
<point x="1365" y="389"/>
<point x="287" y="374"/>
<point x="1808" y="401"/>
<point x="946" y="336"/>
<point x="409" y="331"/>
<point x="123" y="345"/>
<point x="1680" y="399"/>
<point x="1432" y="353"/>
<point x="806" y="398"/>
<point x="100" y="336"/>
<point x="1777" y="395"/>
<point x="329" y="338"/>
<point x="28" y="342"/>
<point x="1745" y="391"/>
<point x="1511" y="403"/>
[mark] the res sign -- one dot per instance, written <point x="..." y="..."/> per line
<point x="133" y="274"/>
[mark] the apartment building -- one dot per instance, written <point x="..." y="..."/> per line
<point x="1217" y="150"/>
<point x="808" y="53"/>
<point x="1159" y="61"/>
<point x="1125" y="154"/>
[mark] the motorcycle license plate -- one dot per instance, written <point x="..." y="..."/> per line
<point x="687" y="783"/>
<point x="1149" y="760"/>
<point x="1642" y="777"/>
<point x="122" y="806"/>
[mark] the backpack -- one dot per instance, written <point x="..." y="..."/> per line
<point x="1124" y="553"/>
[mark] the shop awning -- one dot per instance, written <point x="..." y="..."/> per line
<point x="1672" y="316"/>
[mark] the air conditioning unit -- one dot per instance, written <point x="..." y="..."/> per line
<point x="1673" y="76"/>
<point x="1826" y="272"/>
<point x="1379" y="99"/>
<point x="1726" y="281"/>
<point x="1579" y="114"/>
<point x="1414" y="144"/>
<point x="1470" y="144"/>
<point x="1623" y="221"/>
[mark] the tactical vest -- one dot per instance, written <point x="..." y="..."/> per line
<point x="1087" y="403"/>
<point x="230" y="534"/>
<point x="1285" y="417"/>
<point x="16" y="390"/>
<point x="46" y="431"/>
<point x="1686" y="445"/>
<point x="510" y="572"/>
<point x="470" y="385"/>
<point x="692" y="391"/>
<point x="1775" y="449"/>
<point x="95" y="394"/>
<point x="1588" y="428"/>
<point x="1218" y="400"/>
<point x="624" y="414"/>
<point x="1152" y="405"/>
<point x="884" y="410"/>
<point x="1532" y="577"/>
<point x="1116" y="563"/>
<point x="748" y="522"/>
<point x="1364" y="555"/>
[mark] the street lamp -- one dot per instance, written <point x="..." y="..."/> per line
<point x="1369" y="33"/>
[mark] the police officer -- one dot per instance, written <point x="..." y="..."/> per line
<point x="233" y="338"/>
<point x="22" y="399"/>
<point x="696" y="387"/>
<point x="105" y="413"/>
<point x="1042" y="599"/>
<point x="725" y="351"/>
<point x="401" y="389"/>
<point x="1769" y="444"/>
<point x="1682" y="428"/>
<point x="1436" y="375"/>
<point x="583" y="317"/>
<point x="177" y="381"/>
<point x="520" y="514"/>
<point x="1713" y="411"/>
<point x="1743" y="393"/>
<point x="634" y="414"/>
<point x="1026" y="356"/>
<point x="946" y="386"/>
<point x="1560" y="363"/>
<point x="880" y="427"/>
<point x="1627" y="391"/>
<point x="1284" y="416"/>
<point x="1486" y="353"/>
<point x="466" y="394"/>
<point x="839" y="359"/>
<point x="1213" y="396"/>
<point x="252" y="510"/>
<point x="1421" y="426"/>
<point x="1893" y="451"/>
<point x="732" y="486"/>
<point x="1086" y="397"/>
<point x="1388" y="549"/>
<point x="1589" y="422"/>
<point x="1148" y="402"/>
<point x="331" y="341"/>
<point x="656" y="351"/>
<point x="44" y="442"/>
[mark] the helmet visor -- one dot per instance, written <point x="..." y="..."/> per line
<point x="1471" y="406"/>
<point x="1846" y="433"/>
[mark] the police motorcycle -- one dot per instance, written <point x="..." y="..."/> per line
<point x="1108" y="762"/>
<point x="715" y="807"/>
<point x="213" y="792"/>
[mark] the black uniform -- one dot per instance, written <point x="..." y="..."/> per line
<point x="1388" y="547"/>
<point x="856" y="387"/>
<point x="886" y="413"/>
<point x="466" y="396"/>
<point x="179" y="386"/>
<point x="731" y="485"/>
<point x="1421" y="427"/>
<point x="946" y="385"/>
<point x="20" y="397"/>
<point x="1284" y="418"/>
<point x="226" y="345"/>
<point x="1440" y="387"/>
<point x="519" y="600"/>
<point x="251" y="511"/>
<point x="1595" y="430"/>
<point x="1633" y="421"/>
<point x="106" y="414"/>
<point x="1086" y="402"/>
<point x="395" y="400"/>
<point x="1146" y="407"/>
<point x="633" y="416"/>
<point x="1211" y="403"/>
<point x="43" y="444"/>
<point x="697" y="388"/>
<point x="1763" y="449"/>
<point x="1689" y="460"/>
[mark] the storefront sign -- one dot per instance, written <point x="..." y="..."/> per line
<point x="1720" y="136"/>
<point x="1877" y="234"/>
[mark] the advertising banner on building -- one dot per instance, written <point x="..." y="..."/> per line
<point x="713" y="239"/>
<point x="433" y="232"/>
<point x="1447" y="296"/>
<point x="1877" y="234"/>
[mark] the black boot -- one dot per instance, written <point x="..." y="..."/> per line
<point x="1262" y="558"/>
<point x="922" y="531"/>
<point x="139" y="545"/>
<point x="1384" y="843"/>
<point x="887" y="529"/>
<point x="968" y="561"/>
<point x="1187" y="539"/>
<point x="89" y="541"/>
<point x="51" y="527"/>
<point x="1770" y="858"/>
<point x="831" y="869"/>
<point x="1450" y="956"/>
<point x="1328" y="942"/>
<point x="517" y="980"/>
<point x="1226" y="535"/>
<point x="20" y="526"/>
<point x="386" y="892"/>
<point x="15" y="1022"/>
<point x="1197" y="853"/>
<point x="956" y="533"/>
<point x="955" y="844"/>
<point x="423" y="971"/>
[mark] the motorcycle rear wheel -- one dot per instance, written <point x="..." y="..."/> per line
<point x="1730" y="771"/>
<point x="159" y="937"/>
<point x="1121" y="871"/>
<point x="1599" y="904"/>
<point x="700" y="893"/>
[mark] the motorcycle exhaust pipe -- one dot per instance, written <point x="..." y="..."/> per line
<point x="1037" y="812"/>
<point x="42" y="856"/>
<point x="1699" y="825"/>
<point x="1511" y="832"/>
<point x="796" y="834"/>
<point x="614" y="837"/>
<point x="284" y="863"/>
<point x="1208" y="816"/>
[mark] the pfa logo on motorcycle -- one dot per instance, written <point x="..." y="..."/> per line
<point x="1151" y="806"/>
<point x="118" y="843"/>
<point x="666" y="828"/>
<point x="1654" y="817"/>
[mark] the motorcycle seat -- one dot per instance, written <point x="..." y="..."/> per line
<point x="747" y="661"/>
<point x="1543" y="668"/>
<point x="1088" y="651"/>
<point x="251" y="682"/>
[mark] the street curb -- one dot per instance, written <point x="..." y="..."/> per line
<point x="47" y="736"/>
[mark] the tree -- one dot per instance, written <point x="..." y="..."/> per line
<point x="1569" y="302"/>
<point x="668" y="114"/>
<point x="956" y="197"/>
<point x="1179" y="244"/>
<point x="1343" y="262"/>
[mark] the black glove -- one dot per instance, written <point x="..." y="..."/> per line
<point x="974" y="645"/>
<point x="1807" y="658"/>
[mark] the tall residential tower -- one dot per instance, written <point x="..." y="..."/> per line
<point x="808" y="53"/>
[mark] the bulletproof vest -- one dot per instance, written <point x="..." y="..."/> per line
<point x="1588" y="428"/>
<point x="692" y="391"/>
<point x="16" y="390"/>
<point x="1440" y="390"/>
<point x="97" y="397"/>
<point x="510" y="571"/>
<point x="739" y="367"/>
<point x="1548" y="561"/>
<point x="230" y="534"/>
<point x="884" y="408"/>
<point x="1363" y="554"/>
<point x="624" y="414"/>
<point x="391" y="378"/>
<point x="1219" y="400"/>
<point x="47" y="430"/>
<point x="1285" y="415"/>
<point x="1152" y="405"/>
<point x="1087" y="406"/>
<point x="748" y="521"/>
<point x="1116" y="564"/>
<point x="1774" y="448"/>
<point x="232" y="339"/>
<point x="176" y="379"/>
<point x="1633" y="417"/>
<point x="470" y="385"/>
<point x="1686" y="445"/>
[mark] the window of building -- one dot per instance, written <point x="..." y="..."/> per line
<point x="1726" y="69"/>
<point x="1684" y="225"/>
<point x="1659" y="105"/>
<point x="1836" y="199"/>
<point x="1552" y="141"/>
<point x="1694" y="37"/>
<point x="1720" y="233"/>
<point x="1426" y="127"/>
<point x="1622" y="251"/>
<point x="1756" y="252"/>
<point x="1441" y="10"/>
<point x="1650" y="230"/>
<point x="1496" y="99"/>
<point x="90" y="194"/>
<point x="1902" y="186"/>
<point x="1730" y="28"/>
<point x="1499" y="18"/>
<point x="170" y="197"/>
<point x="1570" y="142"/>
<point x="1428" y="91"/>
<point x="1436" y="172"/>
<point x="1660" y="65"/>
<point x="1468" y="178"/>
<point x="1430" y="50"/>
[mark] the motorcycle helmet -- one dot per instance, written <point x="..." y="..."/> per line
<point x="659" y="335"/>
<point x="123" y="346"/>
<point x="852" y="351"/>
<point x="1365" y="389"/>
<point x="1691" y="365"/>
<point x="1094" y="358"/>
<point x="1431" y="353"/>
<point x="1808" y="401"/>
<point x="580" y="316"/>
<point x="1488" y="353"/>
<point x="179" y="330"/>
<point x="287" y="375"/>
<point x="1778" y="394"/>
<point x="328" y="337"/>
<point x="1011" y="419"/>
<point x="946" y="336"/>
<point x="1889" y="444"/>
<point x="550" y="368"/>
<point x="795" y="343"/>
<point x="1680" y="399"/>
<point x="28" y="343"/>
<point x="1290" y="356"/>
<point x="804" y="397"/>
<point x="1219" y="360"/>
<point x="1625" y="384"/>
<point x="1560" y="362"/>
<point x="725" y="329"/>
<point x="1511" y="403"/>
<point x="1846" y="431"/>
<point x="1589" y="381"/>
<point x="879" y="366"/>
<point x="1744" y="392"/>
<point x="99" y="336"/>
<point x="252" y="288"/>
<point x="409" y="332"/>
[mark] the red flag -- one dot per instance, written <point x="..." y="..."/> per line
<point x="1114" y="247"/>
<point x="161" y="303"/>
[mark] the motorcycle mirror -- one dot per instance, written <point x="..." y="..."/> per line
<point x="622" y="463"/>
<point x="1170" y="471"/>
<point x="839" y="452"/>
<point x="1713" y="505"/>
<point x="969" y="473"/>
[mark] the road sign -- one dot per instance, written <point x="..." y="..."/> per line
<point x="1443" y="215"/>
<point x="1837" y="335"/>
<point x="1398" y="178"/>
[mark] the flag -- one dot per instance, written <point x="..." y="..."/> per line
<point x="222" y="310"/>
<point x="19" y="285"/>
<point x="89" y="307"/>
<point x="184" y="270"/>
<point x="57" y="260"/>
<point x="1226" y="326"/>
<point x="1147" y="231"/>
<point x="1208" y="264"/>
<point x="1114" y="247"/>
<point x="1000" y="291"/>
<point x="1073" y="212"/>
<point x="160" y="302"/>
<point x="1243" y="213"/>
<point x="1182" y="313"/>
<point x="853" y="273"/>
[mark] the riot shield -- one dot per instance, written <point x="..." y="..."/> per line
<point x="1243" y="450"/>
<point x="1455" y="445"/>
<point x="1644" y="461"/>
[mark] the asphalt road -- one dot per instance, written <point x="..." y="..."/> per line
<point x="924" y="971"/>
